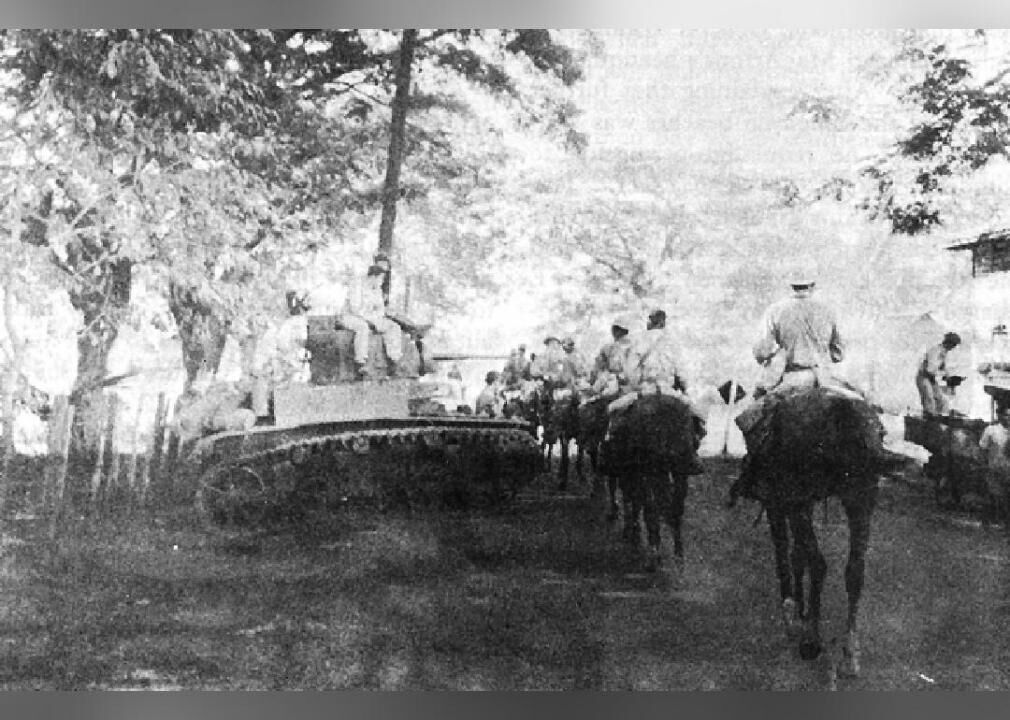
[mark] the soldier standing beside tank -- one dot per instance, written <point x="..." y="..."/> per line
<point x="489" y="402"/>
<point x="280" y="355"/>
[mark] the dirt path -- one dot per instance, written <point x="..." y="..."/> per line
<point x="542" y="596"/>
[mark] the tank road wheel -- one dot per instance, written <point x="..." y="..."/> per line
<point x="233" y="496"/>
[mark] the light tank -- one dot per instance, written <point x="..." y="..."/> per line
<point x="340" y="439"/>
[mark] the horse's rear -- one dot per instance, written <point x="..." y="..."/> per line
<point x="819" y="443"/>
<point x="815" y="443"/>
<point x="651" y="449"/>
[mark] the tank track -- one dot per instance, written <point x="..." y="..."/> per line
<point x="248" y="479"/>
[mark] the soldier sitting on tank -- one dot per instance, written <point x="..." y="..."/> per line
<point x="367" y="310"/>
<point x="489" y="401"/>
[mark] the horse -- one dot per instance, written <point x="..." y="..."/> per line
<point x="560" y="414"/>
<point x="591" y="431"/>
<point x="817" y="443"/>
<point x="650" y="448"/>
<point x="522" y="403"/>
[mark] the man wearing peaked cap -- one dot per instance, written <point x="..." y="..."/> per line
<point x="549" y="363"/>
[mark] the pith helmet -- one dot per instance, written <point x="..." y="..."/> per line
<point x="803" y="275"/>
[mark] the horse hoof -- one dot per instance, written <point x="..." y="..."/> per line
<point x="849" y="665"/>
<point x="790" y="619"/>
<point x="810" y="649"/>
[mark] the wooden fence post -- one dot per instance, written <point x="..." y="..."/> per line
<point x="131" y="470"/>
<point x="112" y="478"/>
<point x="96" y="475"/>
<point x="64" y="421"/>
<point x="60" y="404"/>
<point x="145" y="477"/>
<point x="158" y="445"/>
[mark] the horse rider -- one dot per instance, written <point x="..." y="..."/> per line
<point x="607" y="373"/>
<point x="549" y="364"/>
<point x="574" y="369"/>
<point x="933" y="366"/>
<point x="654" y="366"/>
<point x="517" y="368"/>
<point x="804" y="332"/>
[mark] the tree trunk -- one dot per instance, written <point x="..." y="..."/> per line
<point x="101" y="312"/>
<point x="397" y="132"/>
<point x="202" y="331"/>
<point x="7" y="390"/>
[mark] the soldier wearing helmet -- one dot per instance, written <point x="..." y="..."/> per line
<point x="574" y="368"/>
<point x="803" y="334"/>
<point x="608" y="368"/>
<point x="549" y="364"/>
<point x="653" y="366"/>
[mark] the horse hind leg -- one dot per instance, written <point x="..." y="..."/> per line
<point x="631" y="491"/>
<point x="547" y="450"/>
<point x="674" y="498"/>
<point x="614" y="508"/>
<point x="563" y="465"/>
<point x="858" y="512"/>
<point x="651" y="500"/>
<point x="807" y="554"/>
<point x="579" y="455"/>
<point x="779" y="529"/>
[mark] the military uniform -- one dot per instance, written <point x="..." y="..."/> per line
<point x="653" y="366"/>
<point x="932" y="366"/>
<point x="608" y="368"/>
<point x="549" y="364"/>
<point x="803" y="334"/>
<point x="368" y="310"/>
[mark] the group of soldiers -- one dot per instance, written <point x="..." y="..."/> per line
<point x="630" y="365"/>
<point x="647" y="361"/>
<point x="799" y="336"/>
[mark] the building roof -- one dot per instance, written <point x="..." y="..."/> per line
<point x="982" y="239"/>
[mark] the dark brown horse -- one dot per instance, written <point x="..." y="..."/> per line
<point x="591" y="431"/>
<point x="816" y="444"/>
<point x="650" y="449"/>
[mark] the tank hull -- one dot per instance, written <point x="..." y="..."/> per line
<point x="245" y="478"/>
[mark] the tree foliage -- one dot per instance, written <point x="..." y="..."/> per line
<point x="961" y="108"/>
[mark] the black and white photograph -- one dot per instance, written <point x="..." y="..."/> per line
<point x="504" y="359"/>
